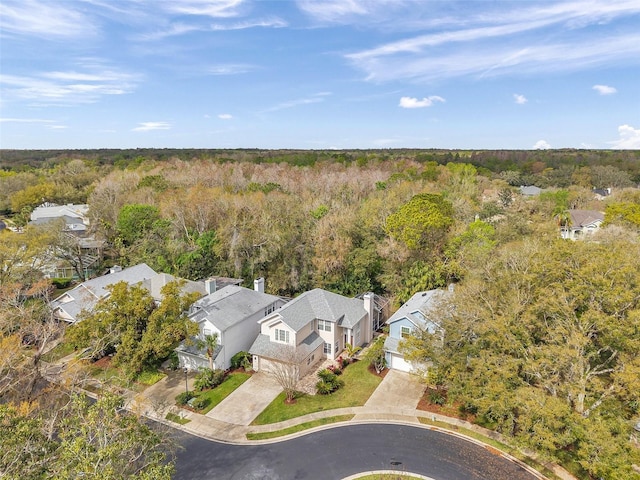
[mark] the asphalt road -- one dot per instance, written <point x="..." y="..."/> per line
<point x="339" y="452"/>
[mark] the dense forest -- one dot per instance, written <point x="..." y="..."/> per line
<point x="542" y="338"/>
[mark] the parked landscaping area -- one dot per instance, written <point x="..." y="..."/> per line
<point x="359" y="384"/>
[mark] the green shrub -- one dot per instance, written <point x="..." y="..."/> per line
<point x="184" y="397"/>
<point x="199" y="403"/>
<point x="437" y="398"/>
<point x="61" y="282"/>
<point x="329" y="382"/>
<point x="207" y="378"/>
<point x="240" y="360"/>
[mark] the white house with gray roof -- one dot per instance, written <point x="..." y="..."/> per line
<point x="418" y="313"/>
<point x="317" y="324"/>
<point x="84" y="296"/>
<point x="232" y="313"/>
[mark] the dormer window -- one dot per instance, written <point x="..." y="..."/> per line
<point x="281" y="336"/>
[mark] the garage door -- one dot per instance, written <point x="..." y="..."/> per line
<point x="399" y="363"/>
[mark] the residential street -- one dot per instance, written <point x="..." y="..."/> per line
<point x="339" y="452"/>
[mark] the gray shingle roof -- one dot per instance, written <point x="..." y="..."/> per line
<point x="323" y="305"/>
<point x="582" y="218"/>
<point x="154" y="285"/>
<point x="264" y="347"/>
<point x="421" y="302"/>
<point x="391" y="344"/>
<point x="230" y="305"/>
<point x="193" y="347"/>
<point x="87" y="294"/>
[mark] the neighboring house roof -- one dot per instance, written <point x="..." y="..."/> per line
<point x="229" y="306"/>
<point x="264" y="347"/>
<point x="154" y="285"/>
<point x="601" y="192"/>
<point x="323" y="305"/>
<point x="85" y="295"/>
<point x="584" y="218"/>
<point x="195" y="347"/>
<point x="418" y="307"/>
<point x="2" y="225"/>
<point x="58" y="211"/>
<point x="530" y="190"/>
<point x="391" y="344"/>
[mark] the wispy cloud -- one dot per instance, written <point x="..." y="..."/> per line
<point x="604" y="89"/>
<point x="272" y="22"/>
<point x="344" y="11"/>
<point x="25" y="120"/>
<point x="43" y="18"/>
<point x="410" y="102"/>
<point x="629" y="138"/>
<point x="150" y="126"/>
<point x="315" y="98"/>
<point x="490" y="45"/>
<point x="225" y="116"/>
<point x="230" y="69"/>
<point x="520" y="99"/>
<point x="541" y="145"/>
<point x="69" y="88"/>
<point x="210" y="8"/>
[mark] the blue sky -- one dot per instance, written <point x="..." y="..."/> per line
<point x="319" y="74"/>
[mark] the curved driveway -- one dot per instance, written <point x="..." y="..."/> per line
<point x="339" y="452"/>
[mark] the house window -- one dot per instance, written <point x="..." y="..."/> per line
<point x="337" y="347"/>
<point x="324" y="325"/>
<point x="282" y="336"/>
<point x="405" y="331"/>
<point x="327" y="348"/>
<point x="269" y="309"/>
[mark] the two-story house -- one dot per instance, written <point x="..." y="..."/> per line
<point x="314" y="326"/>
<point x="416" y="314"/>
<point x="232" y="313"/>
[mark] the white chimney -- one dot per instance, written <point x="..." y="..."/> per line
<point x="258" y="285"/>
<point x="115" y="269"/>
<point x="210" y="285"/>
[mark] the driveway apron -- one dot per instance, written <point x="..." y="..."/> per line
<point x="247" y="401"/>
<point x="398" y="391"/>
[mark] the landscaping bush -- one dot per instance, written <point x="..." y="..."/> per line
<point x="207" y="378"/>
<point x="437" y="398"/>
<point x="241" y="360"/>
<point x="335" y="369"/>
<point x="174" y="361"/>
<point x="184" y="397"/>
<point x="199" y="403"/>
<point x="329" y="382"/>
<point x="61" y="282"/>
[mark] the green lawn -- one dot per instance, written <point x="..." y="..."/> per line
<point x="359" y="385"/>
<point x="222" y="391"/>
<point x="299" y="428"/>
<point x="59" y="351"/>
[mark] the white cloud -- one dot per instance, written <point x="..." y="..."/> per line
<point x="410" y="102"/>
<point x="273" y="22"/>
<point x="149" y="126"/>
<point x="520" y="99"/>
<point x="230" y="69"/>
<point x="56" y="127"/>
<point x="210" y="8"/>
<point x="333" y="10"/>
<point x="225" y="116"/>
<point x="629" y="138"/>
<point x="45" y="19"/>
<point x="604" y="89"/>
<point x="315" y="98"/>
<point x="503" y="43"/>
<point x="25" y="120"/>
<point x="541" y="145"/>
<point x="69" y="88"/>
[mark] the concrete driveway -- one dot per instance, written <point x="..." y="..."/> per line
<point x="247" y="401"/>
<point x="399" y="390"/>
